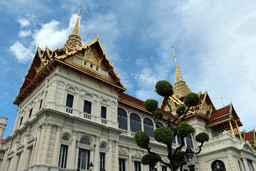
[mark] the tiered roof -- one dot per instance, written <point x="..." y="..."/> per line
<point x="45" y="62"/>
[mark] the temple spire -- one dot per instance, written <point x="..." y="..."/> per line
<point x="76" y="29"/>
<point x="178" y="75"/>
<point x="74" y="41"/>
<point x="181" y="89"/>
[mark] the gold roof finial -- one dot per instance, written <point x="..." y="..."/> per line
<point x="178" y="75"/>
<point x="76" y="29"/>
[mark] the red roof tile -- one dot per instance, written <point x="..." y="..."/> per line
<point x="130" y="98"/>
<point x="248" y="136"/>
<point x="3" y="142"/>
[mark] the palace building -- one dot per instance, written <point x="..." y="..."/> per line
<point x="73" y="114"/>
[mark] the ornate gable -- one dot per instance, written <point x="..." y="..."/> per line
<point x="92" y="58"/>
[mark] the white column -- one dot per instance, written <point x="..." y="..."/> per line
<point x="130" y="159"/>
<point x="128" y="122"/>
<point x="63" y="95"/>
<point x="23" y="157"/>
<point x="116" y="156"/>
<point x="6" y="166"/>
<point x="72" y="152"/>
<point x="56" y="147"/>
<point x="109" y="156"/>
<point x="246" y="164"/>
<point x="28" y="158"/>
<point x="254" y="165"/>
<point x="39" y="152"/>
<point x="13" y="163"/>
<point x="158" y="166"/>
<point x="5" y="161"/>
<point x="36" y="146"/>
<point x="97" y="154"/>
<point x="46" y="143"/>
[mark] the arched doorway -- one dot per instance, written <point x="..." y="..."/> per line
<point x="218" y="165"/>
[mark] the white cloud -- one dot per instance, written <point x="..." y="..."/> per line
<point x="22" y="53"/>
<point x="51" y="34"/>
<point x="23" y="22"/>
<point x="142" y="62"/>
<point x="147" y="94"/>
<point x="229" y="66"/>
<point x="24" y="33"/>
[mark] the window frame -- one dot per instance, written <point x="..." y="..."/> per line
<point x="122" y="119"/>
<point x="70" y="95"/>
<point x="135" y="124"/>
<point x="30" y="112"/>
<point x="102" y="161"/>
<point x="40" y="104"/>
<point x="101" y="112"/>
<point x="88" y="102"/>
<point x="21" y="119"/>
<point x="137" y="163"/>
<point x="147" y="128"/>
<point x="79" y="159"/>
<point x="121" y="167"/>
<point x="63" y="155"/>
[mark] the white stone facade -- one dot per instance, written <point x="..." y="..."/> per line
<point x="50" y="136"/>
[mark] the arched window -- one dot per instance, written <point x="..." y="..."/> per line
<point x="218" y="165"/>
<point x="148" y="127"/>
<point x="189" y="141"/>
<point x="65" y="137"/>
<point x="122" y="119"/>
<point x="103" y="145"/>
<point x="85" y="140"/>
<point x="135" y="122"/>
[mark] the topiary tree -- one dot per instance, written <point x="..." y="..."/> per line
<point x="174" y="127"/>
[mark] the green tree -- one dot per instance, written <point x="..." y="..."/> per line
<point x="174" y="127"/>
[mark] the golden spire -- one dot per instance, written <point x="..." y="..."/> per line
<point x="76" y="29"/>
<point x="74" y="41"/>
<point x="178" y="75"/>
<point x="181" y="89"/>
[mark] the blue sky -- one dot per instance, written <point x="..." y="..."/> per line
<point x="214" y="42"/>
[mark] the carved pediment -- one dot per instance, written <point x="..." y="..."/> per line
<point x="137" y="155"/>
<point x="91" y="55"/>
<point x="123" y="152"/>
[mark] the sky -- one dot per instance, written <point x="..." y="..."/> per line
<point x="214" y="43"/>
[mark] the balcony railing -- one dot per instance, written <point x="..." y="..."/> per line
<point x="69" y="110"/>
<point x="87" y="116"/>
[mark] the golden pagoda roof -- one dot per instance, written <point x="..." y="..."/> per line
<point x="180" y="89"/>
<point x="74" y="40"/>
<point x="45" y="62"/>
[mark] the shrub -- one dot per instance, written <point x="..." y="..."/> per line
<point x="184" y="129"/>
<point x="142" y="139"/>
<point x="164" y="135"/>
<point x="192" y="99"/>
<point x="158" y="114"/>
<point x="151" y="105"/>
<point x="164" y="88"/>
<point x="181" y="110"/>
<point x="150" y="159"/>
<point x="202" y="137"/>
